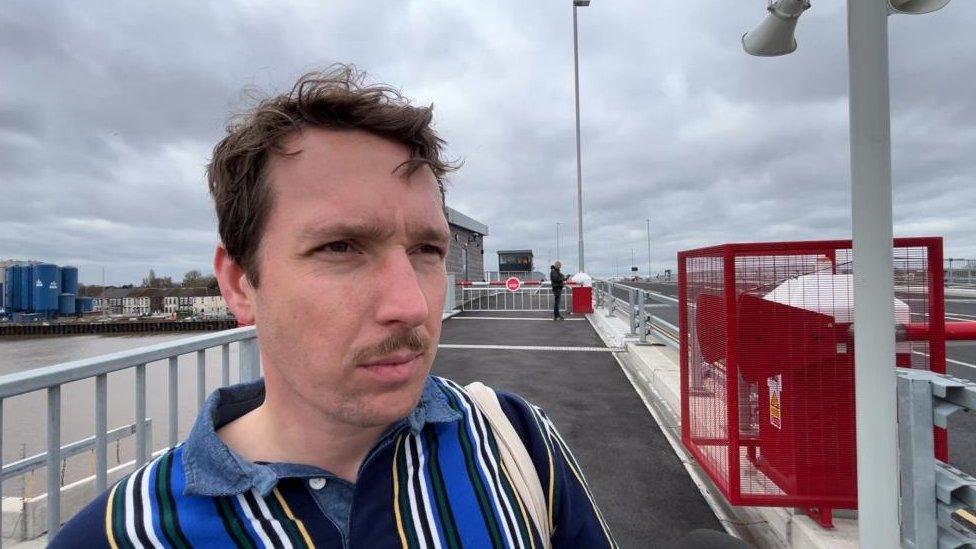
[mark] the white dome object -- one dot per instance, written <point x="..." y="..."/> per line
<point x="832" y="295"/>
<point x="582" y="279"/>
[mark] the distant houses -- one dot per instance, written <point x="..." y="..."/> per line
<point x="149" y="301"/>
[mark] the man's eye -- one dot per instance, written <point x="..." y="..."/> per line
<point x="432" y="249"/>
<point x="336" y="247"/>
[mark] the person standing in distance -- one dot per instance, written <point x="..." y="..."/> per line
<point x="333" y="238"/>
<point x="558" y="280"/>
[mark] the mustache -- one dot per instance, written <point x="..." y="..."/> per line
<point x="411" y="339"/>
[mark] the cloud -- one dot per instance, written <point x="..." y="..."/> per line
<point x="108" y="116"/>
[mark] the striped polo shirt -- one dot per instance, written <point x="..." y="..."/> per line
<point x="435" y="479"/>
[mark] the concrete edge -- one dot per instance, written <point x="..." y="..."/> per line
<point x="742" y="523"/>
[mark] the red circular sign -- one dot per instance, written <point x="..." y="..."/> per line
<point x="513" y="284"/>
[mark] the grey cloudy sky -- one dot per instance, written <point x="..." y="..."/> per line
<point x="108" y="114"/>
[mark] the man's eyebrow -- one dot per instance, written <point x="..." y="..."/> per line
<point x="356" y="231"/>
<point x="428" y="234"/>
<point x="371" y="231"/>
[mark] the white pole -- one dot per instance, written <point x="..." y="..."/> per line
<point x="874" y="318"/>
<point x="648" y="249"/>
<point x="579" y="162"/>
<point x="558" y="255"/>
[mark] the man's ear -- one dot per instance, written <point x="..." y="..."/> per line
<point x="235" y="287"/>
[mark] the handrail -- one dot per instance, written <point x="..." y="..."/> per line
<point x="77" y="370"/>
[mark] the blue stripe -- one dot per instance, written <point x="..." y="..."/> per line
<point x="198" y="515"/>
<point x="495" y="493"/>
<point x="460" y="492"/>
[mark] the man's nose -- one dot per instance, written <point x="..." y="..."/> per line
<point x="399" y="292"/>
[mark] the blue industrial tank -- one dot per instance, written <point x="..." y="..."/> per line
<point x="69" y="280"/>
<point x="66" y="304"/>
<point x="83" y="305"/>
<point x="45" y="287"/>
<point x="28" y="298"/>
<point x="8" y="288"/>
<point x="17" y="296"/>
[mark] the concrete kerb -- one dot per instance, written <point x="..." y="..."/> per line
<point x="654" y="373"/>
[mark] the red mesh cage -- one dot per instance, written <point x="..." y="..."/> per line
<point x="767" y="364"/>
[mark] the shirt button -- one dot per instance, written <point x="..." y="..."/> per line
<point x="317" y="483"/>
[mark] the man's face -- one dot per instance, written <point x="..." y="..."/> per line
<point x="352" y="277"/>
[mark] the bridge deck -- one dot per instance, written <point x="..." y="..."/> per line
<point x="638" y="481"/>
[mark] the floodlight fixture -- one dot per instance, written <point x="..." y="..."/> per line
<point x="581" y="3"/>
<point x="774" y="35"/>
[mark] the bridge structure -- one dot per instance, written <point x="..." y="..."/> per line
<point x="609" y="380"/>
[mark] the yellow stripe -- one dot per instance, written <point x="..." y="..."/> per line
<point x="291" y="516"/>
<point x="552" y="475"/>
<point x="518" y="499"/>
<point x="108" y="519"/>
<point x="396" y="494"/>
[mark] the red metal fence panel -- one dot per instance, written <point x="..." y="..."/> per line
<point x="767" y="363"/>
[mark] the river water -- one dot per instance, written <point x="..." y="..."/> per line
<point x="25" y="416"/>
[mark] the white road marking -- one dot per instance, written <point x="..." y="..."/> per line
<point x="949" y="360"/>
<point x="531" y="348"/>
<point x="512" y="318"/>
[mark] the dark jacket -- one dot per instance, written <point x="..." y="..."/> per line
<point x="557" y="278"/>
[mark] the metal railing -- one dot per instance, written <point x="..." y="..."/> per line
<point x="937" y="500"/>
<point x="498" y="298"/>
<point x="52" y="378"/>
<point x="634" y="304"/>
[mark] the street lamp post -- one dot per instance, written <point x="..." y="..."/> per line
<point x="579" y="162"/>
<point x="648" y="249"/>
<point x="870" y="142"/>
<point x="558" y="255"/>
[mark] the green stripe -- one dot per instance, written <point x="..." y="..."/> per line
<point x="289" y="525"/>
<point x="448" y="522"/>
<point x="470" y="461"/>
<point x="519" y="520"/>
<point x="232" y="524"/>
<point x="118" y="516"/>
<point x="168" y="518"/>
<point x="406" y="517"/>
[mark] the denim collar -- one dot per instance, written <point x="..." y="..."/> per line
<point x="214" y="469"/>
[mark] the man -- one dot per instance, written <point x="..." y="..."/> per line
<point x="333" y="240"/>
<point x="557" y="279"/>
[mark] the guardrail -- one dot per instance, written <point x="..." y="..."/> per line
<point x="51" y="378"/>
<point x="937" y="500"/>
<point x="634" y="302"/>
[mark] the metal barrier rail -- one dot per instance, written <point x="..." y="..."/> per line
<point x="51" y="378"/>
<point x="609" y="294"/>
<point x="494" y="298"/>
<point x="32" y="463"/>
<point x="937" y="500"/>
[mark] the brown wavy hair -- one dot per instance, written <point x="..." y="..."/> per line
<point x="336" y="98"/>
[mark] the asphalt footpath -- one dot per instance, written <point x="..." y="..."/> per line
<point x="640" y="485"/>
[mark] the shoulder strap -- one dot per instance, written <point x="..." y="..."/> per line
<point x="516" y="458"/>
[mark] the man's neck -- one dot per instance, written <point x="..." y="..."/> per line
<point x="309" y="439"/>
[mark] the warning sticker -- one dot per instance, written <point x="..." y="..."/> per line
<point x="775" y="385"/>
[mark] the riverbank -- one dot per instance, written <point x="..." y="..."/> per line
<point x="118" y="327"/>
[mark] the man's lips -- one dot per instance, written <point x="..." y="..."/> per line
<point x="395" y="359"/>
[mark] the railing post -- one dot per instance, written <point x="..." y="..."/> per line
<point x="632" y="302"/>
<point x="142" y="453"/>
<point x="174" y="400"/>
<point x="641" y="318"/>
<point x="53" y="461"/>
<point x="611" y="300"/>
<point x="250" y="360"/>
<point x="101" y="427"/>
<point x="916" y="450"/>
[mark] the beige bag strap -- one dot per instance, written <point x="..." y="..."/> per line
<point x="516" y="458"/>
